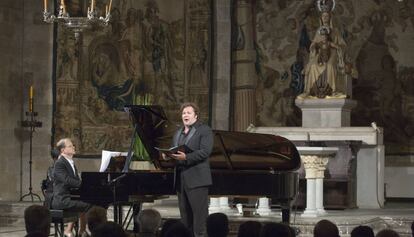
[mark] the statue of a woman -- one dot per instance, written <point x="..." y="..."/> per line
<point x="326" y="65"/>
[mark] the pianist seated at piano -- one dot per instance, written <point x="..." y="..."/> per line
<point x="66" y="178"/>
<point x="192" y="170"/>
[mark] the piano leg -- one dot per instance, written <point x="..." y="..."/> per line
<point x="118" y="213"/>
<point x="286" y="207"/>
<point x="136" y="209"/>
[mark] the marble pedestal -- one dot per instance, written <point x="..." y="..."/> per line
<point x="322" y="113"/>
<point x="314" y="160"/>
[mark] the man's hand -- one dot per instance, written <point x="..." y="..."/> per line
<point x="179" y="156"/>
<point x="165" y="157"/>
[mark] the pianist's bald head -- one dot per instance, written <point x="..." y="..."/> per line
<point x="62" y="143"/>
<point x="192" y="105"/>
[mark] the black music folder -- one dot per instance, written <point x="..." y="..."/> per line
<point x="174" y="150"/>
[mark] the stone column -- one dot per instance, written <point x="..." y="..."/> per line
<point x="310" y="164"/>
<point x="320" y="175"/>
<point x="244" y="79"/>
<point x="314" y="160"/>
<point x="221" y="79"/>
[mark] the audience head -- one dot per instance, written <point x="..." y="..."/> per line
<point x="294" y="231"/>
<point x="37" y="220"/>
<point x="325" y="228"/>
<point x="178" y="230"/>
<point x="412" y="228"/>
<point x="249" y="229"/>
<point x="95" y="216"/>
<point x="362" y="231"/>
<point x="217" y="225"/>
<point x="36" y="234"/>
<point x="167" y="225"/>
<point x="275" y="229"/>
<point x="149" y="220"/>
<point x="108" y="229"/>
<point x="387" y="233"/>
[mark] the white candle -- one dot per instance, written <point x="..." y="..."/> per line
<point x="62" y="3"/>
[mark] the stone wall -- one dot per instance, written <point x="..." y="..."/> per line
<point x="26" y="49"/>
<point x="11" y="22"/>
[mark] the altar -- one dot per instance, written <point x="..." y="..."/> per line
<point x="354" y="177"/>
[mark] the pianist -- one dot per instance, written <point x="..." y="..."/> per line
<point x="192" y="170"/>
<point x="65" y="178"/>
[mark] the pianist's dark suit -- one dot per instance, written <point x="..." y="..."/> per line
<point x="193" y="176"/>
<point x="64" y="180"/>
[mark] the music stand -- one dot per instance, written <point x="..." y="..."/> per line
<point x="32" y="123"/>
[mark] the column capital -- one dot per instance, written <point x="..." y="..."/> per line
<point x="315" y="165"/>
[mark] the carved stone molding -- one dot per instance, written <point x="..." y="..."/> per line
<point x="315" y="165"/>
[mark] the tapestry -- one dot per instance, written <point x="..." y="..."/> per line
<point x="153" y="52"/>
<point x="379" y="37"/>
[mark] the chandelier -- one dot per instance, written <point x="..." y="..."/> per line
<point x="77" y="24"/>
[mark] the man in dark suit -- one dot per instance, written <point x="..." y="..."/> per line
<point x="65" y="177"/>
<point x="192" y="171"/>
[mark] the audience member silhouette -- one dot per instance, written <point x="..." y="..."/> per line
<point x="294" y="231"/>
<point x="109" y="229"/>
<point x="217" y="225"/>
<point x="362" y="231"/>
<point x="95" y="216"/>
<point x="178" y="230"/>
<point x="275" y="229"/>
<point x="412" y="228"/>
<point x="325" y="228"/>
<point x="37" y="220"/>
<point x="149" y="221"/>
<point x="249" y="229"/>
<point x="167" y="225"/>
<point x="387" y="233"/>
<point x="36" y="234"/>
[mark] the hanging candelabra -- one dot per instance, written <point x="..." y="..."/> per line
<point x="77" y="24"/>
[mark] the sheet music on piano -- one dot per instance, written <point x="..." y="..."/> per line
<point x="106" y="158"/>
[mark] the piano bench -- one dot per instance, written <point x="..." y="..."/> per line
<point x="60" y="217"/>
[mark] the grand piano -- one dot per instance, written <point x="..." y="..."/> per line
<point x="243" y="165"/>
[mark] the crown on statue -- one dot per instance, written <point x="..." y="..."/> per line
<point x="325" y="5"/>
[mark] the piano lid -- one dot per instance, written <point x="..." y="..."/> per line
<point x="232" y="150"/>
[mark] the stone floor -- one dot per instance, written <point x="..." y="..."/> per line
<point x="397" y="216"/>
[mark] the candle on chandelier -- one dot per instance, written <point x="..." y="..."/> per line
<point x="110" y="6"/>
<point x="92" y="5"/>
<point x="62" y="3"/>
<point x="45" y="5"/>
